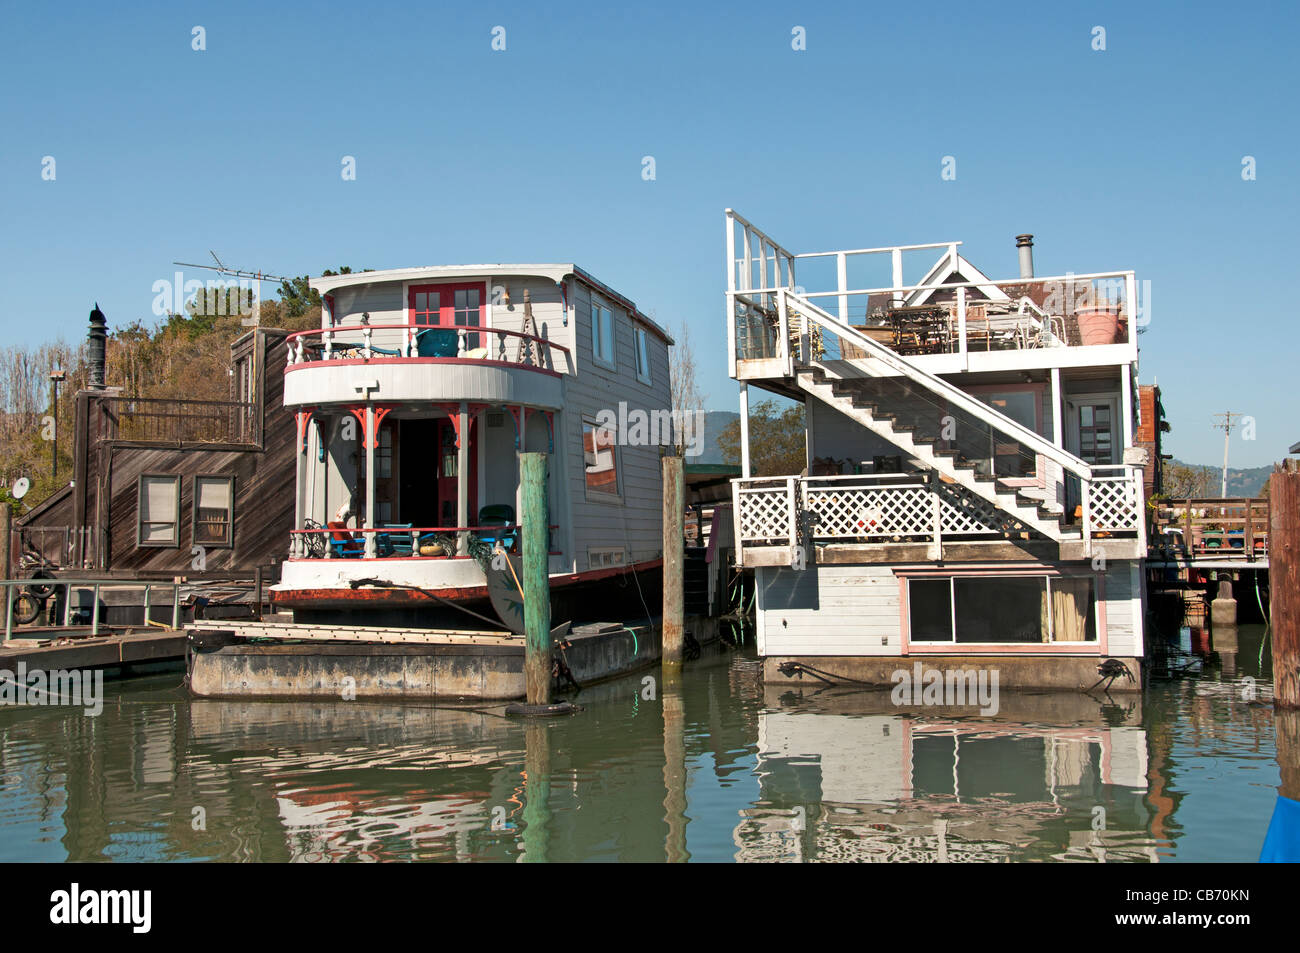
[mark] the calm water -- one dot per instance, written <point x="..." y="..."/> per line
<point x="723" y="770"/>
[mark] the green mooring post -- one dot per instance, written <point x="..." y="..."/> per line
<point x="537" y="589"/>
<point x="674" y="516"/>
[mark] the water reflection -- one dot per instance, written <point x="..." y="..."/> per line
<point x="845" y="776"/>
<point x="711" y="767"/>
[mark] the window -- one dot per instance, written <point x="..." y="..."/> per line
<point x="159" y="511"/>
<point x="214" y="510"/>
<point x="1009" y="458"/>
<point x="600" y="463"/>
<point x="642" y="356"/>
<point x="602" y="334"/>
<point x="1002" y="609"/>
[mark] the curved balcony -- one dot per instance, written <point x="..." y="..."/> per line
<point x="406" y="363"/>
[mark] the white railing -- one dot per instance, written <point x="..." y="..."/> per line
<point x="791" y="512"/>
<point x="361" y="343"/>
<point x="969" y="316"/>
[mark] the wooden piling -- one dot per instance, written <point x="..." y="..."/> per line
<point x="1284" y="583"/>
<point x="536" y="581"/>
<point x="6" y="551"/>
<point x="674" y="514"/>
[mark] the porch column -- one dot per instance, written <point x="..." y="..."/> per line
<point x="371" y="438"/>
<point x="1126" y="412"/>
<point x="744" y="430"/>
<point x="462" y="480"/>
<point x="1054" y="394"/>
<point x="295" y="540"/>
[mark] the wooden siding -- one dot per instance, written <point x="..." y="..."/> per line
<point x="855" y="610"/>
<point x="828" y="610"/>
<point x="108" y="473"/>
<point x="633" y="522"/>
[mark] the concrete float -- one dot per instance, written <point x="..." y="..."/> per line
<point x="401" y="664"/>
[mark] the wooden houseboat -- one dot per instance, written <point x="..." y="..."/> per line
<point x="973" y="494"/>
<point x="413" y="400"/>
<point x="165" y="487"/>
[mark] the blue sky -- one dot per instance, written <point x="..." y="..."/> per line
<point x="1126" y="158"/>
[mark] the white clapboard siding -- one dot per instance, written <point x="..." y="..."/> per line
<point x="1123" y="609"/>
<point x="632" y="522"/>
<point x="828" y="610"/>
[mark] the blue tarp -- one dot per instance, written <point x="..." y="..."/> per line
<point x="1282" y="842"/>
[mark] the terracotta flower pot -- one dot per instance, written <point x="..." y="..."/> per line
<point x="1098" y="325"/>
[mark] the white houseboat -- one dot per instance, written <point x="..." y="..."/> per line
<point x="413" y="400"/>
<point x="973" y="495"/>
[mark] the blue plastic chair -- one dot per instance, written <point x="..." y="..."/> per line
<point x="436" y="342"/>
<point x="394" y="544"/>
<point x="498" y="514"/>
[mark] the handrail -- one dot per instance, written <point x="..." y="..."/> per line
<point x="954" y="395"/>
<point x="292" y="339"/>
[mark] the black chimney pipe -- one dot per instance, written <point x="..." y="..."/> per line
<point x="98" y="342"/>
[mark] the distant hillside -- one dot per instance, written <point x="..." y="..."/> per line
<point x="715" y="421"/>
<point x="1247" y="482"/>
<point x="1241" y="482"/>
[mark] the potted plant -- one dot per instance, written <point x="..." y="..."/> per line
<point x="1098" y="324"/>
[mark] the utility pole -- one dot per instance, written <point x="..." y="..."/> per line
<point x="1226" y="426"/>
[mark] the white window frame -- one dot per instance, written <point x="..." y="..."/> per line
<point x="600" y="339"/>
<point x="641" y="352"/>
<point x="175" y="540"/>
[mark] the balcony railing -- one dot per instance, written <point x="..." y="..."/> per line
<point x="930" y="317"/>
<point x="175" y="422"/>
<point x="427" y="542"/>
<point x="1213" y="528"/>
<point x="362" y="343"/>
<point x="792" y="513"/>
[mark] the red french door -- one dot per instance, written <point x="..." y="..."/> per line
<point x="448" y="306"/>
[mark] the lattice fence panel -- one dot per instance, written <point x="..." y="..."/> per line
<point x="1113" y="505"/>
<point x="764" y="514"/>
<point x="870" y="512"/>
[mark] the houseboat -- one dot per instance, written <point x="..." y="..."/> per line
<point x="973" y="496"/>
<point x="413" y="401"/>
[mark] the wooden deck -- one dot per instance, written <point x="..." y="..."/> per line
<point x="1210" y="533"/>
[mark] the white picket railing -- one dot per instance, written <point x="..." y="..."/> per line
<point x="792" y="512"/>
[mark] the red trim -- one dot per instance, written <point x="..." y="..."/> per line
<point x="483" y="362"/>
<point x="384" y="598"/>
<point x="303" y="417"/>
<point x="370" y="439"/>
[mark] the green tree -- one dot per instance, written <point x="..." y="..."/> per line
<point x="777" y="442"/>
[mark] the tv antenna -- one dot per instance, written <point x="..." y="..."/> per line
<point x="1226" y="425"/>
<point x="221" y="268"/>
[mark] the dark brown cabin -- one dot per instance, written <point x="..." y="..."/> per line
<point x="159" y="482"/>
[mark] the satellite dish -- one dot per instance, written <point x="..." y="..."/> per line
<point x="21" y="486"/>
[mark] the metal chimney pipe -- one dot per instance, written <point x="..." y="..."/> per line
<point x="98" y="339"/>
<point x="1025" y="244"/>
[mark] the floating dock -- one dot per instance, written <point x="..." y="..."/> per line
<point x="269" y="659"/>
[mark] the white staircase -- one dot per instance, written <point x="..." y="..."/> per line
<point x="912" y="409"/>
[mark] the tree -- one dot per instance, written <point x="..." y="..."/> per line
<point x="686" y="397"/>
<point x="777" y="440"/>
<point x="1183" y="482"/>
